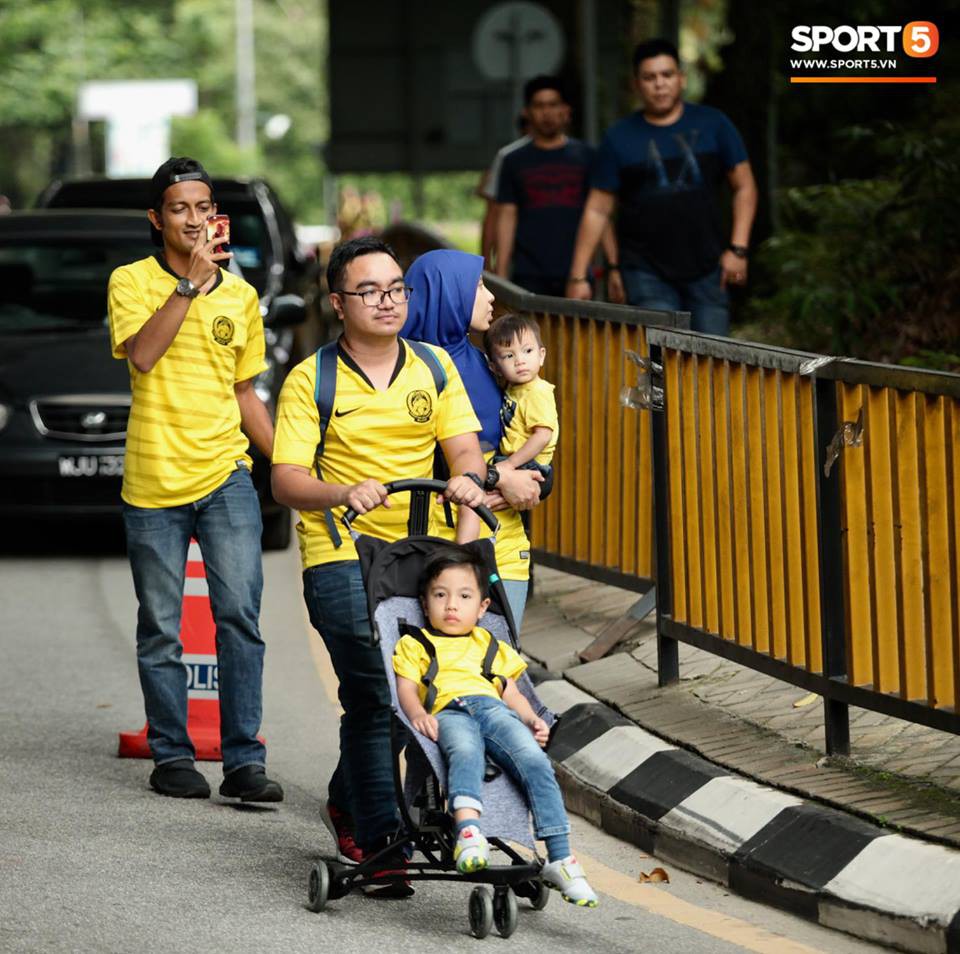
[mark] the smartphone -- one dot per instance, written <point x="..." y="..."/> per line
<point x="218" y="227"/>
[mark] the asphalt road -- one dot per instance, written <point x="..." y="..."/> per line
<point x="92" y="861"/>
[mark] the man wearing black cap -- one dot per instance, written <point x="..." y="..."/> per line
<point x="192" y="335"/>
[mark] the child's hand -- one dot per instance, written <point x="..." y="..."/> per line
<point x="426" y="724"/>
<point x="540" y="730"/>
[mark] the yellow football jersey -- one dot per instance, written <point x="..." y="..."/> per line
<point x="459" y="664"/>
<point x="526" y="406"/>
<point x="183" y="436"/>
<point x="379" y="435"/>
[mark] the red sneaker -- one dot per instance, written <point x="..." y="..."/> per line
<point x="348" y="851"/>
<point x="394" y="863"/>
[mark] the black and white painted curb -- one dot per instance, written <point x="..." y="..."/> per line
<point x="833" y="868"/>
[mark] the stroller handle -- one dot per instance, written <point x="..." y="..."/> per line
<point x="432" y="486"/>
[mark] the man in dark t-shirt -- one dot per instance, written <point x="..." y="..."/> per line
<point x="661" y="168"/>
<point x="540" y="195"/>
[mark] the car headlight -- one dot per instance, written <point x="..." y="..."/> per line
<point x="5" y="412"/>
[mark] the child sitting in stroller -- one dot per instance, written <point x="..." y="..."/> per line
<point x="455" y="683"/>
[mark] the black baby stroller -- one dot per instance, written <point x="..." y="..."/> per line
<point x="391" y="572"/>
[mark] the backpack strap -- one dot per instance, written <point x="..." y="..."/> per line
<point x="406" y="629"/>
<point x="486" y="667"/>
<point x="430" y="359"/>
<point x="324" y="393"/>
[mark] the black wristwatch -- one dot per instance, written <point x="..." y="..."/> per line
<point x="186" y="288"/>
<point x="493" y="478"/>
<point x="741" y="251"/>
<point x="475" y="478"/>
<point x="613" y="267"/>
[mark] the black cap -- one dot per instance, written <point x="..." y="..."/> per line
<point x="175" y="170"/>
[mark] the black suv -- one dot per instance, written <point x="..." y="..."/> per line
<point x="64" y="399"/>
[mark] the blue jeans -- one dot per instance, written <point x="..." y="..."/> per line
<point x="703" y="297"/>
<point x="472" y="725"/>
<point x="362" y="782"/>
<point x="516" y="593"/>
<point x="227" y="525"/>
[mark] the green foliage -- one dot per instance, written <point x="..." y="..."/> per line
<point x="868" y="267"/>
<point x="48" y="49"/>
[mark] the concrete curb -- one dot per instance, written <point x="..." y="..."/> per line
<point x="815" y="861"/>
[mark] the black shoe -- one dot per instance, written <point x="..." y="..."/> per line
<point x="250" y="784"/>
<point x="179" y="780"/>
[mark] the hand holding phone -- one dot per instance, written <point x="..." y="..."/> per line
<point x="218" y="227"/>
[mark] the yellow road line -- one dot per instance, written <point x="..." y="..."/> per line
<point x="659" y="901"/>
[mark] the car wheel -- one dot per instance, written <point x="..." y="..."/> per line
<point x="276" y="530"/>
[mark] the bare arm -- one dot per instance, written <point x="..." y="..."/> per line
<point x="254" y="417"/>
<point x="409" y="698"/>
<point x="506" y="233"/>
<point x="517" y="701"/>
<point x="595" y="218"/>
<point x="611" y="251"/>
<point x="733" y="268"/>
<point x="533" y="445"/>
<point x="151" y="342"/>
<point x="516" y="489"/>
<point x="463" y="456"/>
<point x="293" y="486"/>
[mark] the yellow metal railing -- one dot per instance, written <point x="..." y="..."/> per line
<point x="901" y="502"/>
<point x="808" y="523"/>
<point x="599" y="520"/>
<point x="742" y="529"/>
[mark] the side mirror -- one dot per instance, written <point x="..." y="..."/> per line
<point x="287" y="311"/>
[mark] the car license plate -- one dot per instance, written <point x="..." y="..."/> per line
<point x="91" y="465"/>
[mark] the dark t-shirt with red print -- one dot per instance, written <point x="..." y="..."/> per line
<point x="549" y="188"/>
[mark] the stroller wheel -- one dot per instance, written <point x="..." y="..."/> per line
<point x="319" y="886"/>
<point x="505" y="911"/>
<point x="536" y="892"/>
<point x="481" y="911"/>
<point x="540" y="896"/>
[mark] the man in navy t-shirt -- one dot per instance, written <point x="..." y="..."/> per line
<point x="661" y="168"/>
<point x="540" y="194"/>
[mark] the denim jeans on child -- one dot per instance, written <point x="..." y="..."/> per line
<point x="227" y="525"/>
<point x="703" y="297"/>
<point x="473" y="725"/>
<point x="362" y="782"/>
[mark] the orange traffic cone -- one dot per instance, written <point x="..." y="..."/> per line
<point x="198" y="635"/>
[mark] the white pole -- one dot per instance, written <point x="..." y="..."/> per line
<point x="246" y="77"/>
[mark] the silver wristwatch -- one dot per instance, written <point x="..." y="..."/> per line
<point x="186" y="288"/>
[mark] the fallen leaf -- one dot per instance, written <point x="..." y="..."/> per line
<point x="806" y="700"/>
<point x="104" y="705"/>
<point x="657" y="875"/>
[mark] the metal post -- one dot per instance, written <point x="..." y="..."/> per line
<point x="246" y="76"/>
<point x="668" y="650"/>
<point x="836" y="715"/>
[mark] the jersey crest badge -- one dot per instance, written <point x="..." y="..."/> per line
<point x="222" y="330"/>
<point x="420" y="406"/>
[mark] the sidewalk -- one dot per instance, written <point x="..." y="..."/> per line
<point x="732" y="727"/>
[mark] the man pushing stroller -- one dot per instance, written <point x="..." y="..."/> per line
<point x="456" y="685"/>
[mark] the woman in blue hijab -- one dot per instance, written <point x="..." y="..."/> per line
<point x="448" y="300"/>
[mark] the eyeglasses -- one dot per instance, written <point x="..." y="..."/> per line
<point x="373" y="297"/>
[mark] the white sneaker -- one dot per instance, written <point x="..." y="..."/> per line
<point x="567" y="877"/>
<point x="471" y="853"/>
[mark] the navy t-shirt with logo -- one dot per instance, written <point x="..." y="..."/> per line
<point x="549" y="188"/>
<point x="666" y="179"/>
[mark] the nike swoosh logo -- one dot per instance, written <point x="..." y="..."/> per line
<point x="345" y="413"/>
